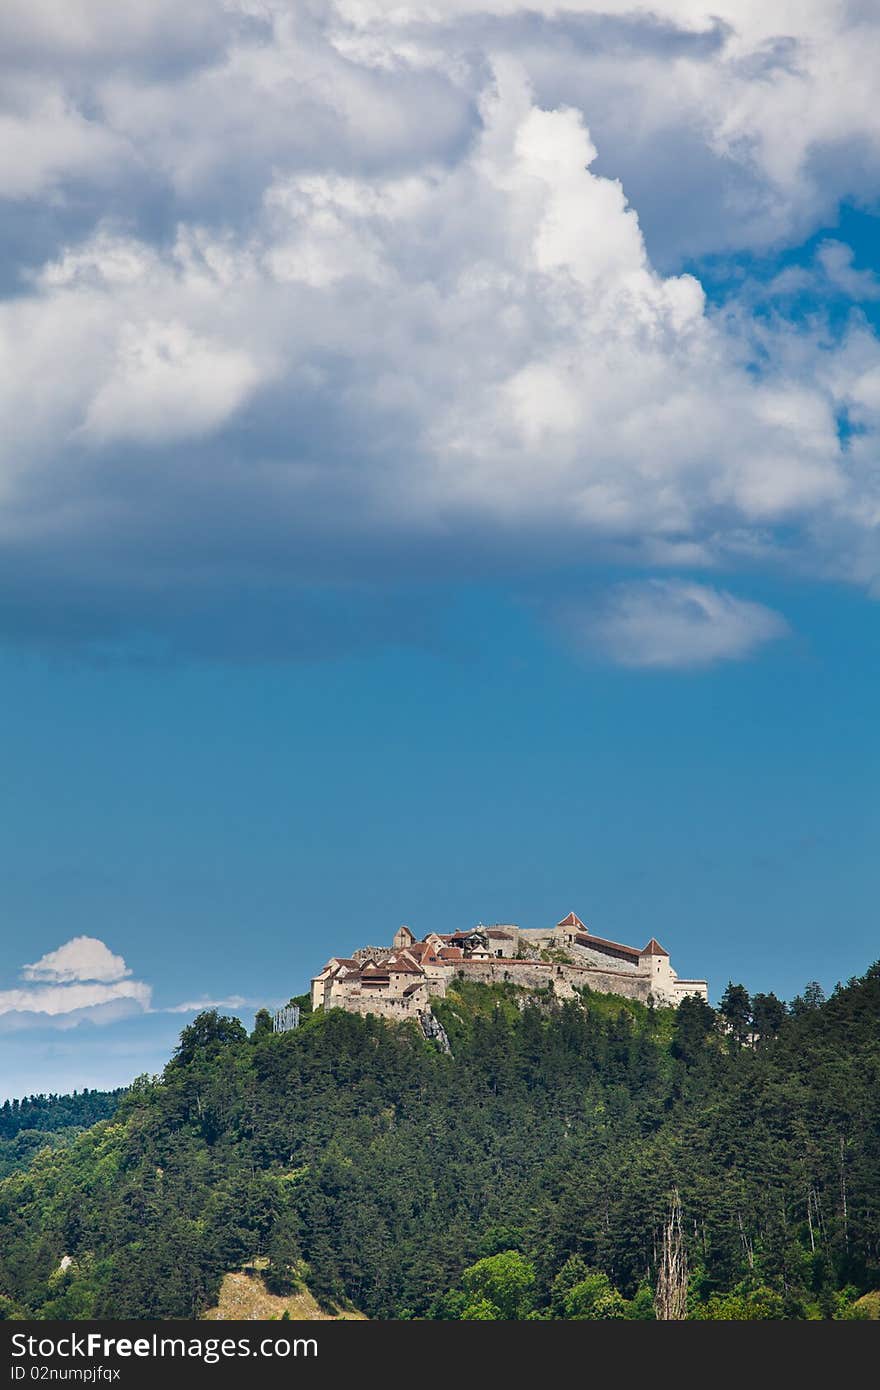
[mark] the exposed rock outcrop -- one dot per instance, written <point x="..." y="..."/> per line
<point x="434" y="1031"/>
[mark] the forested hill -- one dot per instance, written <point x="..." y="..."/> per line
<point x="28" y="1125"/>
<point x="530" y="1174"/>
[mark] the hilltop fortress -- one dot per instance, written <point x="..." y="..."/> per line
<point x="399" y="980"/>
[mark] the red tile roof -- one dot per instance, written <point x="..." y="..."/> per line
<point x="401" y="962"/>
<point x="572" y="920"/>
<point x="654" y="948"/>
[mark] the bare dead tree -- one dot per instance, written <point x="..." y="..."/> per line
<point x="843" y="1193"/>
<point x="670" y="1300"/>
<point x="820" y="1213"/>
<point x="748" y="1249"/>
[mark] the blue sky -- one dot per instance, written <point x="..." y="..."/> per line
<point x="430" y="494"/>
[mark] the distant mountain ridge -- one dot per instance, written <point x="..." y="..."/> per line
<point x="51" y="1112"/>
<point x="29" y="1124"/>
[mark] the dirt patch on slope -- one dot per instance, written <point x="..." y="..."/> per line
<point x="245" y="1296"/>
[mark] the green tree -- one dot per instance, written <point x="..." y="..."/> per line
<point x="283" y="1248"/>
<point x="736" y="1009"/>
<point x="812" y="998"/>
<point x="500" y="1238"/>
<point x="695" y="1021"/>
<point x="641" y="1305"/>
<point x="594" y="1298"/>
<point x="263" y="1024"/>
<point x="506" y="1281"/>
<point x="482" y="1310"/>
<point x="768" y="1014"/>
<point x="742" y="1304"/>
<point x="208" y="1032"/>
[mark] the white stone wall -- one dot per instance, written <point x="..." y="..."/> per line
<point x="600" y="960"/>
<point x="374" y="1001"/>
<point x="698" y="989"/>
<point x="564" y="978"/>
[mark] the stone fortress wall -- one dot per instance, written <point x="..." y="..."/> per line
<point x="399" y="981"/>
<point x="565" y="979"/>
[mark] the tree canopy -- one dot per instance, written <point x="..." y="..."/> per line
<point x="527" y="1175"/>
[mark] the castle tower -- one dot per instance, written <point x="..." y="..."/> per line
<point x="569" y="928"/>
<point x="654" y="961"/>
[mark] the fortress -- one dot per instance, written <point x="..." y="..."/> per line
<point x="399" y="980"/>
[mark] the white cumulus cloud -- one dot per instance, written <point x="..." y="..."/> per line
<point x="284" y="333"/>
<point x="81" y="958"/>
<point x="672" y="624"/>
<point x="81" y="981"/>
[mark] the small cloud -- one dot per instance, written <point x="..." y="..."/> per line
<point x="836" y="259"/>
<point x="82" y="958"/>
<point x="672" y="624"/>
<point x="795" y="279"/>
<point x="195" y="1006"/>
